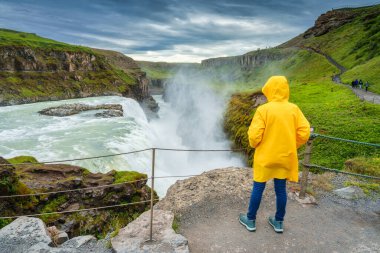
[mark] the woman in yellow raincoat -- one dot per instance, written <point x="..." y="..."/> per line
<point x="277" y="130"/>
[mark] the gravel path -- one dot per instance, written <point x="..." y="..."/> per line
<point x="361" y="93"/>
<point x="208" y="207"/>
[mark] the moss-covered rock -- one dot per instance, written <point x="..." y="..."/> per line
<point x="30" y="178"/>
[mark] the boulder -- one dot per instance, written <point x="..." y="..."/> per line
<point x="133" y="238"/>
<point x="57" y="236"/>
<point x="22" y="234"/>
<point x="350" y="192"/>
<point x="72" y="109"/>
<point x="109" y="114"/>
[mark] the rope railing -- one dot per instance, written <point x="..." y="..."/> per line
<point x="79" y="210"/>
<point x="339" y="171"/>
<point x="346" y="140"/>
<point x="306" y="166"/>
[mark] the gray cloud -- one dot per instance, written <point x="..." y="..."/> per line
<point x="171" y="30"/>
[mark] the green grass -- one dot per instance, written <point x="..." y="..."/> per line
<point x="368" y="188"/>
<point x="15" y="38"/>
<point x="364" y="165"/>
<point x="127" y="176"/>
<point x="22" y="159"/>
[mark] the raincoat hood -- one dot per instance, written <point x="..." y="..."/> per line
<point x="276" y="89"/>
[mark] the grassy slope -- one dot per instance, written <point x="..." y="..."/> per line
<point x="162" y="70"/>
<point x="356" y="46"/>
<point x="332" y="109"/>
<point x="15" y="38"/>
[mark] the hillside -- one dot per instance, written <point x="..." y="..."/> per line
<point x="349" y="36"/>
<point x="34" y="69"/>
<point x="331" y="108"/>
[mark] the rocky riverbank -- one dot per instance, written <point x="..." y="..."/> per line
<point x="31" y="177"/>
<point x="111" y="110"/>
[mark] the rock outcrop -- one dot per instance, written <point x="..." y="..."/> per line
<point x="214" y="184"/>
<point x="34" y="72"/>
<point x="112" y="110"/>
<point x="329" y="21"/>
<point x="30" y="235"/>
<point x="28" y="59"/>
<point x="133" y="238"/>
<point x="61" y="177"/>
<point x="248" y="60"/>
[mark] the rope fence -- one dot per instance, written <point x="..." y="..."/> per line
<point x="304" y="180"/>
<point x="79" y="210"/>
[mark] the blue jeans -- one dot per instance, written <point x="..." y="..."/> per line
<point x="257" y="193"/>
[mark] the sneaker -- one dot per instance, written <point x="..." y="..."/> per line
<point x="278" y="226"/>
<point x="249" y="224"/>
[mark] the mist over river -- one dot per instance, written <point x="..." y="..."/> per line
<point x="191" y="118"/>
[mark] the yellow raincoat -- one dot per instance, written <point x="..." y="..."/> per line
<point x="277" y="129"/>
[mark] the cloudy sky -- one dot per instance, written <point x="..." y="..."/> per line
<point x="169" y="30"/>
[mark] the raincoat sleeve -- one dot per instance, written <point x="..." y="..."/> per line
<point x="256" y="130"/>
<point x="303" y="129"/>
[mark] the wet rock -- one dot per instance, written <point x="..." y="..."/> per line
<point x="78" y="242"/>
<point x="350" y="192"/>
<point x="109" y="114"/>
<point x="150" y="107"/>
<point x="72" y="109"/>
<point x="133" y="237"/>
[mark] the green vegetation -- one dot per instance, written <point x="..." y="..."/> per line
<point x="331" y="108"/>
<point x="163" y="70"/>
<point x="22" y="159"/>
<point x="52" y="206"/>
<point x="31" y="40"/>
<point x="127" y="176"/>
<point x="175" y="224"/>
<point x="59" y="77"/>
<point x="364" y="165"/>
<point x="368" y="188"/>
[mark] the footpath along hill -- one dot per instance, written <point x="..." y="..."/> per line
<point x="341" y="46"/>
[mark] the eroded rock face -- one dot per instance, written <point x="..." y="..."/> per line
<point x="112" y="110"/>
<point x="133" y="237"/>
<point x="329" y="21"/>
<point x="27" y="59"/>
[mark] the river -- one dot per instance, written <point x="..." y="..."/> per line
<point x="191" y="118"/>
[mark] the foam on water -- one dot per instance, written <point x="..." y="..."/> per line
<point x="191" y="119"/>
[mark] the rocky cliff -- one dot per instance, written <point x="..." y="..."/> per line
<point x="36" y="69"/>
<point x="248" y="60"/>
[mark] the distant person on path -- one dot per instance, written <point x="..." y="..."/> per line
<point x="278" y="128"/>
<point x="360" y="84"/>
<point x="356" y="82"/>
<point x="353" y="84"/>
<point x="366" y="86"/>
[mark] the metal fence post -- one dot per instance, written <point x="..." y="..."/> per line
<point x="305" y="171"/>
<point x="152" y="195"/>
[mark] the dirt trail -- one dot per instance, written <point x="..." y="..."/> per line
<point x="209" y="205"/>
<point x="361" y="93"/>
